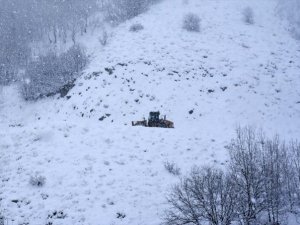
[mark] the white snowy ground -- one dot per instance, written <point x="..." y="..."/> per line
<point x="96" y="169"/>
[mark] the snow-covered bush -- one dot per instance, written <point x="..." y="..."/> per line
<point x="37" y="180"/>
<point x="51" y="73"/>
<point x="248" y="15"/>
<point x="136" y="27"/>
<point x="290" y="9"/>
<point x="191" y="22"/>
<point x="172" y="168"/>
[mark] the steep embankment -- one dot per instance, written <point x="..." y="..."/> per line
<point x="96" y="165"/>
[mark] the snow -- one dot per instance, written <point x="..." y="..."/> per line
<point x="96" y="170"/>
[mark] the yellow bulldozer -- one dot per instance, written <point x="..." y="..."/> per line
<point x="154" y="121"/>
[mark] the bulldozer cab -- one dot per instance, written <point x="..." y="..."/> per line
<point x="154" y="116"/>
<point x="154" y="121"/>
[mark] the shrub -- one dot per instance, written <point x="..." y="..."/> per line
<point x="136" y="27"/>
<point x="37" y="180"/>
<point x="172" y="168"/>
<point x="191" y="22"/>
<point x="248" y="15"/>
<point x="289" y="9"/>
<point x="51" y="73"/>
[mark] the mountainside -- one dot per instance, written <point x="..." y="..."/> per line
<point x="98" y="168"/>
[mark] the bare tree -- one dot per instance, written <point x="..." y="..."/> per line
<point x="205" y="195"/>
<point x="182" y="206"/>
<point x="245" y="155"/>
<point x="262" y="185"/>
<point x="273" y="163"/>
<point x="292" y="175"/>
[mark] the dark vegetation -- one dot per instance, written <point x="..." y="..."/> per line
<point x="52" y="74"/>
<point x="27" y="25"/>
<point x="117" y="11"/>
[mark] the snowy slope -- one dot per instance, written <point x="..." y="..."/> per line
<point x="96" y="165"/>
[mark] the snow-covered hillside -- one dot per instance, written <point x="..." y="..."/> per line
<point x="98" y="168"/>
